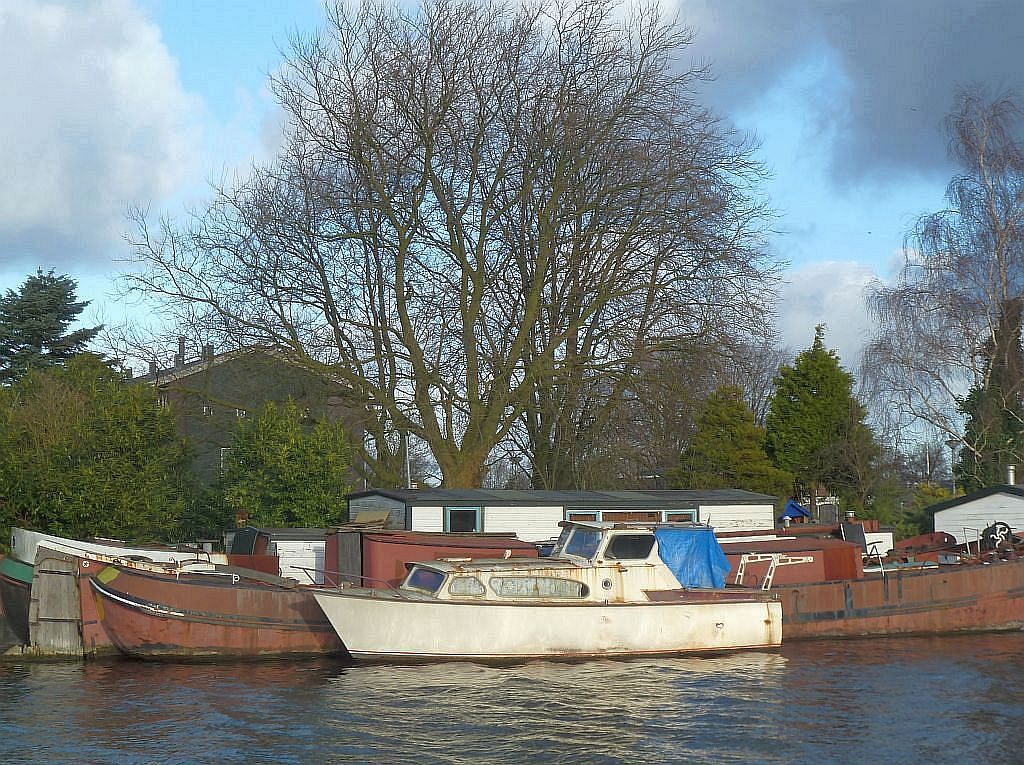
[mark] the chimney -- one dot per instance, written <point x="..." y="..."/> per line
<point x="1011" y="474"/>
<point x="207" y="353"/>
<point x="152" y="369"/>
<point x="179" y="358"/>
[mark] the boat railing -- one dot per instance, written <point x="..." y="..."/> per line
<point x="357" y="580"/>
<point x="774" y="560"/>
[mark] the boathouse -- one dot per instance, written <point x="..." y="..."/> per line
<point x="534" y="515"/>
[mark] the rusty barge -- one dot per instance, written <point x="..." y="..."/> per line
<point x="825" y="591"/>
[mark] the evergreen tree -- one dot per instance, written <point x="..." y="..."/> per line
<point x="285" y="471"/>
<point x="815" y="426"/>
<point x="727" y="450"/>
<point x="994" y="431"/>
<point x="34" y="324"/>
<point x="84" y="452"/>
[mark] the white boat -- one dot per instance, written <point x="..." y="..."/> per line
<point x="606" y="590"/>
<point x="24" y="544"/>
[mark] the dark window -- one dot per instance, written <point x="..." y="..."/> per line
<point x="462" y="519"/>
<point x="629" y="547"/>
<point x="426" y="579"/>
<point x="583" y="542"/>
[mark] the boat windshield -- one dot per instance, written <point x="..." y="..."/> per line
<point x="583" y="543"/>
<point x="426" y="579"/>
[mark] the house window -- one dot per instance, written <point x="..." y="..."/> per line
<point x="240" y="414"/>
<point x="225" y="453"/>
<point x="463" y="519"/>
<point x="207" y="410"/>
<point x="681" y="516"/>
<point x="162" y="399"/>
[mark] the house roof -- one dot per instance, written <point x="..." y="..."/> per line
<point x="988" y="491"/>
<point x="189" y="368"/>
<point x="572" y="500"/>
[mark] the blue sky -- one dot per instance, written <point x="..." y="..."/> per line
<point x="110" y="103"/>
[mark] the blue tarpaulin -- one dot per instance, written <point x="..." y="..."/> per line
<point x="795" y="510"/>
<point x="693" y="554"/>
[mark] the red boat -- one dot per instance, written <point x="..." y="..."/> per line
<point x="826" y="593"/>
<point x="221" y="612"/>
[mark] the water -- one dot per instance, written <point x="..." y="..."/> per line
<point x="910" y="700"/>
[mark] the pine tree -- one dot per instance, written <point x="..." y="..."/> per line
<point x="815" y="426"/>
<point x="727" y="450"/>
<point x="34" y="324"/>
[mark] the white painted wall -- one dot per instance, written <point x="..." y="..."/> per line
<point x="531" y="524"/>
<point x="738" y="517"/>
<point x="980" y="513"/>
<point x="427" y="518"/>
<point x="296" y="557"/>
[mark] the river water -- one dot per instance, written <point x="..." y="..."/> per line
<point x="957" y="699"/>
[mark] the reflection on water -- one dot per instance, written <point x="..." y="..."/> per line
<point x="936" y="700"/>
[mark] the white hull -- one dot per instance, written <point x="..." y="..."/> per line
<point x="383" y="627"/>
<point x="25" y="543"/>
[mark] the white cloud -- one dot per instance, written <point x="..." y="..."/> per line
<point x="829" y="293"/>
<point x="96" y="120"/>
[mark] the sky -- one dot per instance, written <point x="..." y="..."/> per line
<point x="109" y="104"/>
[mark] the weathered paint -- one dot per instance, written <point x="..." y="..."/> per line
<point x="382" y="627"/>
<point x="15" y="593"/>
<point x="54" y="613"/>
<point x="606" y="591"/>
<point x="154" y="614"/>
<point x="958" y="598"/>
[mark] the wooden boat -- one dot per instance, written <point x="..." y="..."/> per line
<point x="607" y="590"/>
<point x="185" y="612"/>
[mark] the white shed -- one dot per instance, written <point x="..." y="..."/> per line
<point x="534" y="515"/>
<point x="966" y="517"/>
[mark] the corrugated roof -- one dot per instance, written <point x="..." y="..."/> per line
<point x="572" y="500"/>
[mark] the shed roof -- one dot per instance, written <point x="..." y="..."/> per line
<point x="572" y="500"/>
<point x="988" y="491"/>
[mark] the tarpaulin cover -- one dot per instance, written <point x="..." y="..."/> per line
<point x="795" y="510"/>
<point x="693" y="555"/>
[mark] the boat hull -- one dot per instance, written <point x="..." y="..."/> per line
<point x="15" y="596"/>
<point x="383" y="627"/>
<point x="956" y="598"/>
<point x="157" y="615"/>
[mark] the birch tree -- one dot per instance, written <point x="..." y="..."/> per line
<point x="948" y="329"/>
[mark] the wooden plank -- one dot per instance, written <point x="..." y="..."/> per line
<point x="54" y="611"/>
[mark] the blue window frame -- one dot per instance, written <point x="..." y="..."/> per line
<point x="463" y="519"/>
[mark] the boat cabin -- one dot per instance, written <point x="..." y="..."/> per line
<point x="592" y="561"/>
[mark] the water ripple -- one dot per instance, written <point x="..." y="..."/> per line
<point x="936" y="700"/>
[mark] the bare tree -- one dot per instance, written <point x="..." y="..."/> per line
<point x="939" y="327"/>
<point x="478" y="210"/>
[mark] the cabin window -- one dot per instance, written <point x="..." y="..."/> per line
<point x="629" y="547"/>
<point x="463" y="519"/>
<point x="537" y="587"/>
<point x="426" y="579"/>
<point x="466" y="585"/>
<point x="583" y="543"/>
